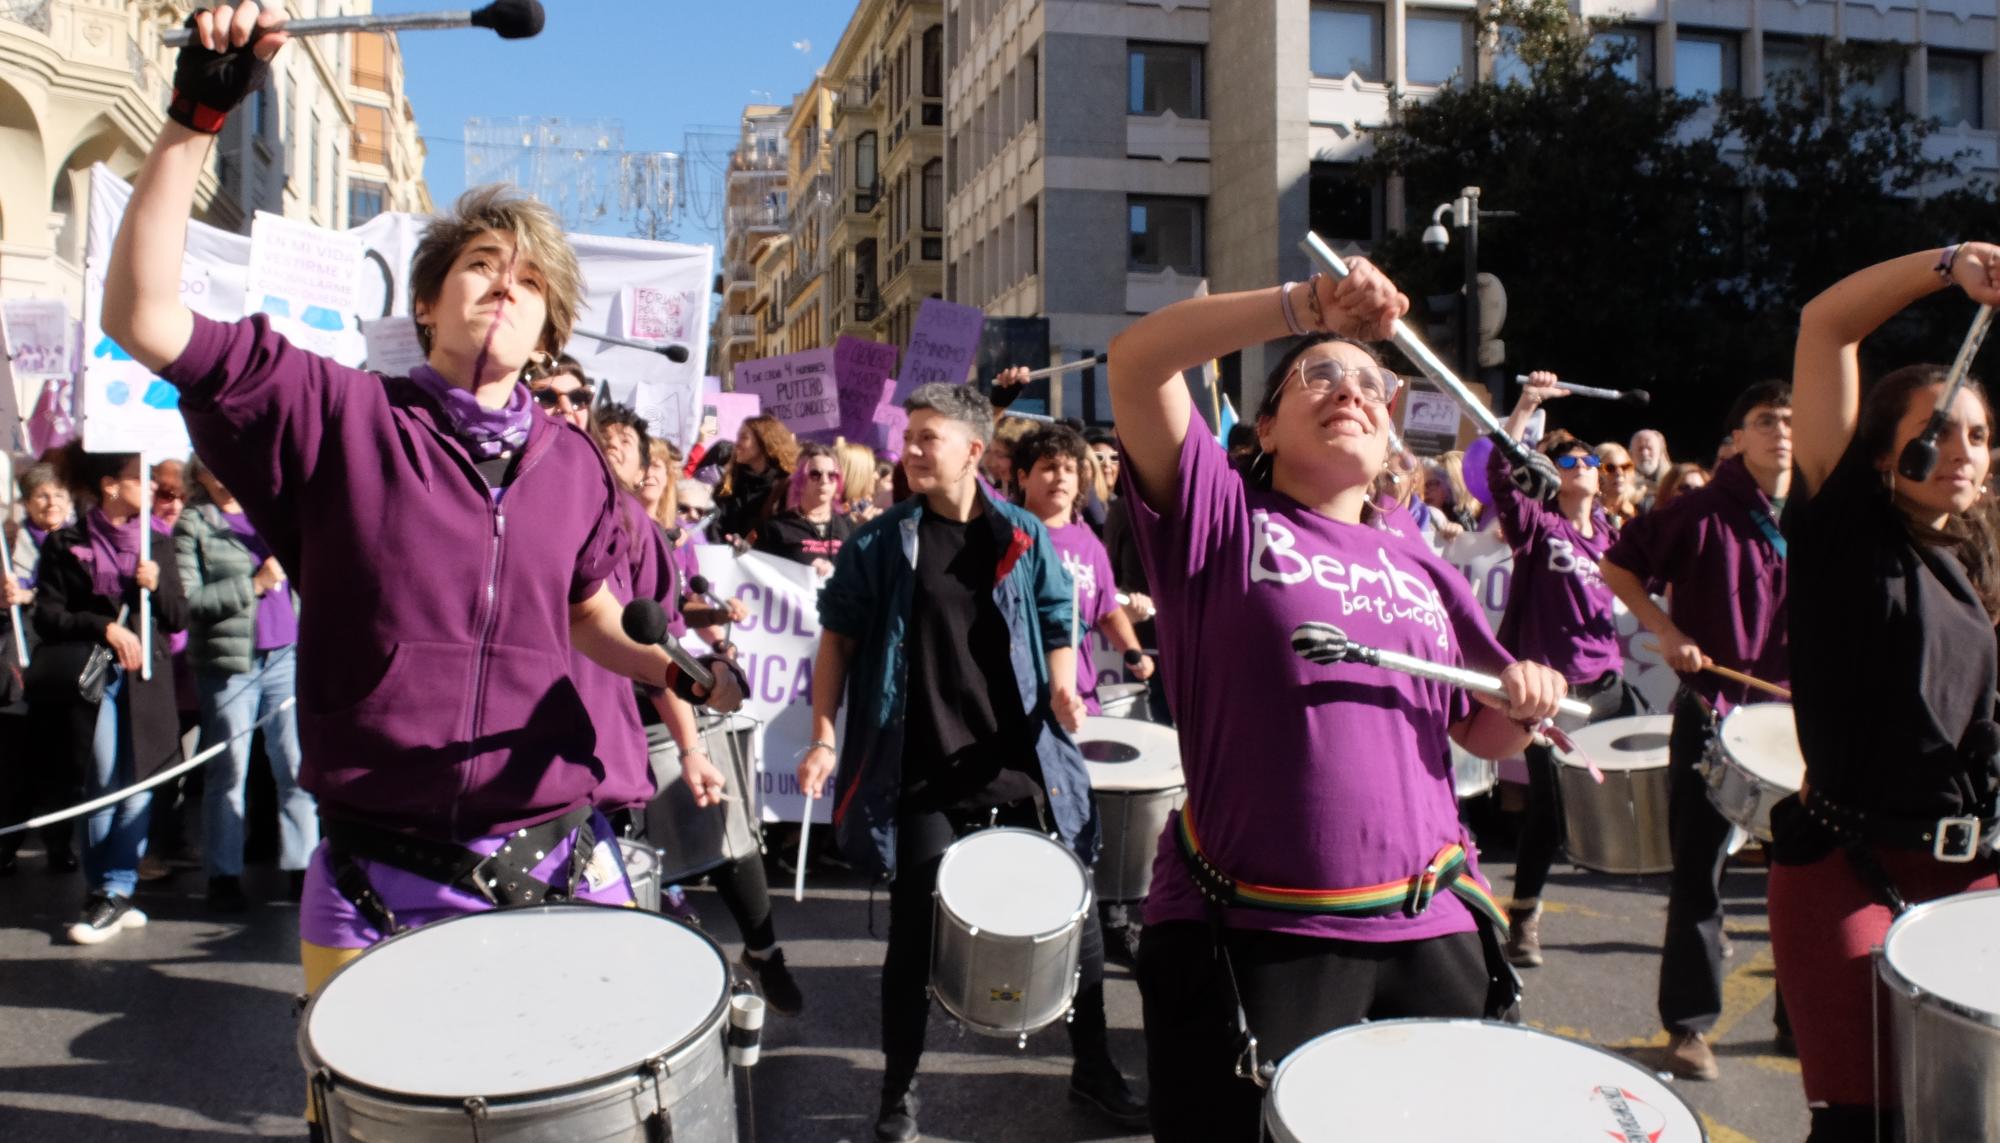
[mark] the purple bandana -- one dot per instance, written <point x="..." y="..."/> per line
<point x="111" y="554"/>
<point x="485" y="433"/>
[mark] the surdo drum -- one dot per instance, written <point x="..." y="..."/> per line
<point x="1135" y="774"/>
<point x="1938" y="963"/>
<point x="545" y="1024"/>
<point x="1508" y="1084"/>
<point x="1011" y="904"/>
<point x="1753" y="763"/>
<point x="1619" y="825"/>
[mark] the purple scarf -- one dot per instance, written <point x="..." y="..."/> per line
<point x="485" y="433"/>
<point x="110" y="553"/>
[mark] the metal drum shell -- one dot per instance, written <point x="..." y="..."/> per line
<point x="1947" y="1053"/>
<point x="694" y="1087"/>
<point x="1125" y="700"/>
<point x="1471" y="775"/>
<point x="1738" y="792"/>
<point x="1131" y="822"/>
<point x="1620" y="825"/>
<point x="642" y="870"/>
<point x="693" y="840"/>
<point x="1000" y="985"/>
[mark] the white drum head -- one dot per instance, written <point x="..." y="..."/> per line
<point x="1130" y="754"/>
<point x="1012" y="882"/>
<point x="1507" y="1084"/>
<point x="1948" y="948"/>
<point x="516" y="1002"/>
<point x="1638" y="743"/>
<point x="640" y="859"/>
<point x="1764" y="740"/>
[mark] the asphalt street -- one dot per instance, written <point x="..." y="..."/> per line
<point x="185" y="1030"/>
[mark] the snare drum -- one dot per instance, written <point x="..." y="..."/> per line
<point x="1937" y="961"/>
<point x="1471" y="775"/>
<point x="642" y="870"/>
<point x="1135" y="773"/>
<point x="1754" y="763"/>
<point x="1010" y="911"/>
<point x="1508" y="1084"/>
<point x="1619" y="825"/>
<point x="1124" y="700"/>
<point x="547" y="1024"/>
<point x="693" y="840"/>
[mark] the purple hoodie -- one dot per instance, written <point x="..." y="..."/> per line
<point x="434" y="689"/>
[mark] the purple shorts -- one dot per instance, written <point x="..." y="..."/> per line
<point x="330" y="920"/>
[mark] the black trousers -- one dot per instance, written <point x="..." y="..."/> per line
<point x="742" y="884"/>
<point x="1542" y="824"/>
<point x="921" y="839"/>
<point x="1293" y="989"/>
<point x="1691" y="953"/>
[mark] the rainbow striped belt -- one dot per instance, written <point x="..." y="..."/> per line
<point x="1450" y="869"/>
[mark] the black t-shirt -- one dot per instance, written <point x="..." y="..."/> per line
<point x="967" y="741"/>
<point x="793" y="537"/>
<point x="1893" y="656"/>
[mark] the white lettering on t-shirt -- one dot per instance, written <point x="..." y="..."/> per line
<point x="1564" y="559"/>
<point x="1384" y="589"/>
<point x="1084" y="572"/>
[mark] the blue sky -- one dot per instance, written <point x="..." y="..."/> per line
<point x="661" y="66"/>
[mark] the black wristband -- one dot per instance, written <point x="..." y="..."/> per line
<point x="208" y="85"/>
<point x="1134" y="657"/>
<point x="1004" y="396"/>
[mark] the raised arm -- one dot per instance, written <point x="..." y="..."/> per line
<point x="1826" y="363"/>
<point x="1148" y="400"/>
<point x="143" y="311"/>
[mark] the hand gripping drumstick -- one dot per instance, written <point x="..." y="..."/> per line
<point x="1629" y="396"/>
<point x="1533" y="473"/>
<point x="1323" y="643"/>
<point x="510" y="19"/>
<point x="1919" y="457"/>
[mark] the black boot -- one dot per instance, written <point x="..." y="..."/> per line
<point x="896" y="1121"/>
<point x="1095" y="1081"/>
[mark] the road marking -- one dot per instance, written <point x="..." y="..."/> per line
<point x="1717" y="1133"/>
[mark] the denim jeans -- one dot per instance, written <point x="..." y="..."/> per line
<point x="115" y="836"/>
<point x="230" y="706"/>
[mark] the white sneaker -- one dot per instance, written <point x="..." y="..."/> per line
<point x="105" y="915"/>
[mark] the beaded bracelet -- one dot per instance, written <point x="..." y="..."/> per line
<point x="1285" y="308"/>
<point x="1945" y="261"/>
<point x="1312" y="298"/>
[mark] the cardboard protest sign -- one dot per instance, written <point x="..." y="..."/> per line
<point x="862" y="369"/>
<point x="797" y="388"/>
<point x="942" y="345"/>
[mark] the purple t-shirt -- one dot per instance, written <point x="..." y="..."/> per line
<point x="1087" y="562"/>
<point x="1304" y="776"/>
<point x="1727" y="577"/>
<point x="1560" y="612"/>
<point x="277" y="623"/>
<point x="621" y="735"/>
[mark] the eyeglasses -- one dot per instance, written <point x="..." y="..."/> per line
<point x="1575" y="458"/>
<point x="690" y="511"/>
<point x="578" y="398"/>
<point x="821" y="474"/>
<point x="166" y="495"/>
<point x="1321" y="376"/>
<point x="1771" y="422"/>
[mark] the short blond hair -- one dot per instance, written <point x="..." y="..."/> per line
<point x="538" y="238"/>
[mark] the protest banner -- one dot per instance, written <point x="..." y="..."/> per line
<point x="863" y="371"/>
<point x="731" y="410"/>
<point x="942" y="345"/>
<point x="393" y="348"/>
<point x="38" y="347"/>
<point x="776" y="646"/>
<point x="797" y="388"/>
<point x="646" y="291"/>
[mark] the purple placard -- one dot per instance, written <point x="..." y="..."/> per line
<point x="731" y="410"/>
<point x="942" y="345"/>
<point x="797" y="388"/>
<point x="862" y="369"/>
<point x="890" y="421"/>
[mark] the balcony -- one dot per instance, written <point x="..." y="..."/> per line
<point x="735" y="326"/>
<point x="748" y="219"/>
<point x="1166" y="136"/>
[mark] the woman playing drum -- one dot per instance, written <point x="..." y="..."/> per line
<point x="1322" y="790"/>
<point x="1895" y="587"/>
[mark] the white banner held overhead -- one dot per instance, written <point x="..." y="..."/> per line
<point x="654" y="292"/>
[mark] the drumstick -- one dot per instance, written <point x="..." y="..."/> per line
<point x="1753" y="681"/>
<point x="805" y="831"/>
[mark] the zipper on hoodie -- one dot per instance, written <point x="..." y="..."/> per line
<point x="489" y="617"/>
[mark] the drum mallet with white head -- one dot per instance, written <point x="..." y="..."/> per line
<point x="1628" y="396"/>
<point x="511" y="19"/>
<point x="1323" y="643"/>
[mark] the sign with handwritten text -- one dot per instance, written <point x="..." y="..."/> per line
<point x="942" y="345"/>
<point x="797" y="388"/>
<point x="862" y="369"/>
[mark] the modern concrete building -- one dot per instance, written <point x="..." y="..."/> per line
<point x="754" y="211"/>
<point x="1078" y="173"/>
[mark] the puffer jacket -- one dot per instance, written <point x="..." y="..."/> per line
<point x="216" y="571"/>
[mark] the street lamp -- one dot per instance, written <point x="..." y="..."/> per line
<point x="1464" y="214"/>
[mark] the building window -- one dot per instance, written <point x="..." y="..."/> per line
<point x="1956" y="95"/>
<point x="1347" y="39"/>
<point x="1166" y="233"/>
<point x="934" y="195"/>
<point x="1164" y="77"/>
<point x="365" y="200"/>
<point x="934" y="62"/>
<point x="1707" y="64"/>
<point x="371" y="135"/>
<point x="1876" y="79"/>
<point x="1437" y="47"/>
<point x="1634" y="48"/>
<point x="1031" y="233"/>
<point x="864" y="161"/>
<point x="310" y="187"/>
<point x="1031" y="87"/>
<point x="371" y="61"/>
<point x="1788" y="60"/>
<point x="1340" y="205"/>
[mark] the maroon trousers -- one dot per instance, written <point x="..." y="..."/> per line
<point x="1824" y="923"/>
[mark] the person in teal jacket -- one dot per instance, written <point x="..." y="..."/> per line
<point x="947" y="627"/>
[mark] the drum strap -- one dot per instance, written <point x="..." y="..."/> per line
<point x="1410" y="896"/>
<point x="503" y="878"/>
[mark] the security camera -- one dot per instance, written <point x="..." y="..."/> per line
<point x="1436" y="238"/>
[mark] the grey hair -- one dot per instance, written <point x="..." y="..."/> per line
<point x="961" y="403"/>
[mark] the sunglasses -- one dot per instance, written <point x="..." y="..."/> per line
<point x="1574" y="459"/>
<point x="690" y="511"/>
<point x="820" y="474"/>
<point x="578" y="398"/>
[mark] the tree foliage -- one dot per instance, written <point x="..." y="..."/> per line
<point x="1665" y="242"/>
